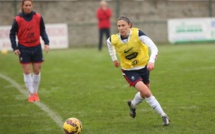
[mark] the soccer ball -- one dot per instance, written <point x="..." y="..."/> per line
<point x="4" y="51"/>
<point x="72" y="126"/>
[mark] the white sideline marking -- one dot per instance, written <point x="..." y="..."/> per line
<point x="201" y="68"/>
<point x="57" y="119"/>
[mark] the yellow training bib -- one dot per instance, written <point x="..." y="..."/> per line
<point x="133" y="53"/>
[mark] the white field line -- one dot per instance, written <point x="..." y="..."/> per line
<point x="200" y="68"/>
<point x="56" y="118"/>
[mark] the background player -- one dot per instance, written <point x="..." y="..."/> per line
<point x="131" y="44"/>
<point x="28" y="26"/>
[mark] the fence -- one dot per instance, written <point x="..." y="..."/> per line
<point x="149" y="15"/>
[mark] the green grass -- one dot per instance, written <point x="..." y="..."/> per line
<point x="83" y="83"/>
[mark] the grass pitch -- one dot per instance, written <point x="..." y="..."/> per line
<point x="83" y="83"/>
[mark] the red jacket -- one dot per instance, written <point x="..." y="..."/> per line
<point x="103" y="17"/>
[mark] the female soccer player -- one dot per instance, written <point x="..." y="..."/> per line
<point x="131" y="45"/>
<point x="28" y="26"/>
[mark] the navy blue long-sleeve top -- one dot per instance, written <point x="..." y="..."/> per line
<point x="15" y="28"/>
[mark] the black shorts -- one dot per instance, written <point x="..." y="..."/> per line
<point x="30" y="54"/>
<point x="134" y="76"/>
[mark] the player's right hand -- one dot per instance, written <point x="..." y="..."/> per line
<point x="46" y="48"/>
<point x="116" y="63"/>
<point x="17" y="52"/>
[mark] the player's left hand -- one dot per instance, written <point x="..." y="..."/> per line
<point x="150" y="66"/>
<point x="46" y="48"/>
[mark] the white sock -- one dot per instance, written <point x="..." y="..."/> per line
<point x="29" y="83"/>
<point x="36" y="82"/>
<point x="152" y="101"/>
<point x="137" y="100"/>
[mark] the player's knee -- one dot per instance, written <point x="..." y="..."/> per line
<point x="26" y="69"/>
<point x="37" y="72"/>
<point x="146" y="94"/>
